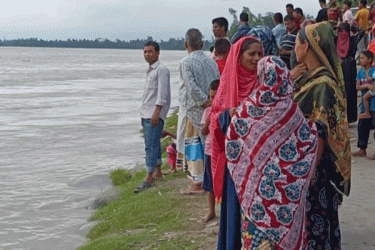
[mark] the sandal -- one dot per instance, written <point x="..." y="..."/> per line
<point x="142" y="187"/>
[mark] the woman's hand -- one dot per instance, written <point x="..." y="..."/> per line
<point x="232" y="111"/>
<point x="298" y="70"/>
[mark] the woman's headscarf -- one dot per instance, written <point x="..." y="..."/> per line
<point x="236" y="83"/>
<point x="324" y="101"/>
<point x="271" y="150"/>
<point x="343" y="40"/>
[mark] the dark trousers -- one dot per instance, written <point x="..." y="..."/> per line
<point x="364" y="128"/>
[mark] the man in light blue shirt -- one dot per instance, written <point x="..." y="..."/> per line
<point x="280" y="30"/>
<point x="197" y="71"/>
<point x="155" y="105"/>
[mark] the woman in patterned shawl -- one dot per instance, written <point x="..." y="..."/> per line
<point x="271" y="150"/>
<point x="320" y="93"/>
<point x="237" y="82"/>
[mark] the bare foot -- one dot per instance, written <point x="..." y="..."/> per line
<point x="209" y="217"/>
<point x="372" y="157"/>
<point x="157" y="177"/>
<point x="364" y="116"/>
<point x="172" y="170"/>
<point x="359" y="153"/>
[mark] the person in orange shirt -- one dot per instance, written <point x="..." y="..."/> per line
<point x="362" y="20"/>
<point x="371" y="46"/>
<point x="222" y="47"/>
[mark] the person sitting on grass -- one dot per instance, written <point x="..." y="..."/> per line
<point x="207" y="178"/>
<point x="171" y="151"/>
<point x="222" y="47"/>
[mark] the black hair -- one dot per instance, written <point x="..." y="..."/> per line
<point x="288" y="18"/>
<point x="368" y="54"/>
<point x="245" y="46"/>
<point x="322" y="1"/>
<point x="289" y="5"/>
<point x="349" y="3"/>
<point x="154" y="44"/>
<point x="344" y="26"/>
<point x="244" y="17"/>
<point x="222" y="46"/>
<point x="214" y="85"/>
<point x="363" y="2"/>
<point x="299" y="11"/>
<point x="222" y="22"/>
<point x="278" y="17"/>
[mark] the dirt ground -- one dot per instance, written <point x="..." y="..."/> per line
<point x="357" y="213"/>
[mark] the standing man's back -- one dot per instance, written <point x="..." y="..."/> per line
<point x="197" y="71"/>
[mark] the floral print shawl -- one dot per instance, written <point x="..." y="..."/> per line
<point x="321" y="97"/>
<point x="236" y="83"/>
<point x="271" y="151"/>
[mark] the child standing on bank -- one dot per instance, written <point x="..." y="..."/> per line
<point x="365" y="82"/>
<point x="207" y="179"/>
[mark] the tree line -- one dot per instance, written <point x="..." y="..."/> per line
<point x="171" y="44"/>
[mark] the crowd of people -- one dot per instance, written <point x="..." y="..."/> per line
<point x="263" y="123"/>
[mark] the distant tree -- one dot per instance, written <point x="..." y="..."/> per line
<point x="171" y="44"/>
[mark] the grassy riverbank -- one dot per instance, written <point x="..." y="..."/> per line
<point x="158" y="218"/>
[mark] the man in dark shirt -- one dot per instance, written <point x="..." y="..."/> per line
<point x="243" y="29"/>
<point x="323" y="13"/>
<point x="288" y="41"/>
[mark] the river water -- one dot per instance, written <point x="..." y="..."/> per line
<point x="67" y="118"/>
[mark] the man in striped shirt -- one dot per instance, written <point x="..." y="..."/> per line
<point x="288" y="40"/>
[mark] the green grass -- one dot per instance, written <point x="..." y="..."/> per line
<point x="157" y="218"/>
<point x="143" y="220"/>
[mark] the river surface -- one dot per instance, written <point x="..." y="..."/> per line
<point x="67" y="118"/>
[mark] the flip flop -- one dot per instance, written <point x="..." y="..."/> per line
<point x="142" y="187"/>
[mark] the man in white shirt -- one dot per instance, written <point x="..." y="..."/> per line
<point x="348" y="15"/>
<point x="155" y="105"/>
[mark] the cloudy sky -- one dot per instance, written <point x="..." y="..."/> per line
<point x="125" y="19"/>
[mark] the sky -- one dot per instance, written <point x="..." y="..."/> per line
<point x="126" y="19"/>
